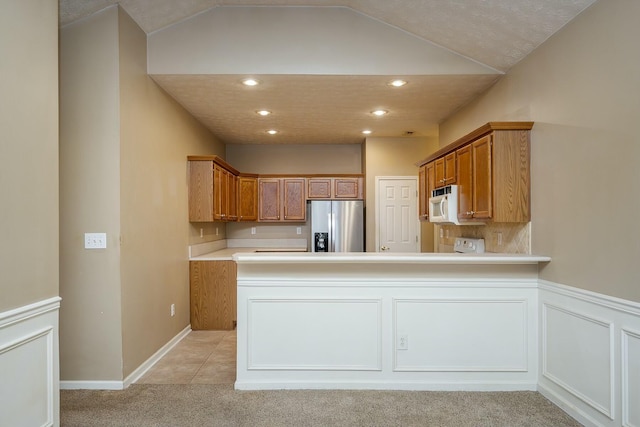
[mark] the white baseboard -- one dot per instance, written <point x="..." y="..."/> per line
<point x="134" y="376"/>
<point x="590" y="355"/>
<point x="148" y="364"/>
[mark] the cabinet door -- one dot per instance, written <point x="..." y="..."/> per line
<point x="269" y="199"/>
<point x="319" y="188"/>
<point x="295" y="206"/>
<point x="450" y="168"/>
<point x="212" y="294"/>
<point x="248" y="198"/>
<point x="220" y="182"/>
<point x="482" y="190"/>
<point x="346" y="188"/>
<point x="200" y="191"/>
<point x="232" y="198"/>
<point x="439" y="172"/>
<point x="465" y="182"/>
<point x="431" y="180"/>
<point x="423" y="197"/>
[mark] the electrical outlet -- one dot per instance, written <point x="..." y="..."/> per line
<point x="201" y="233"/>
<point x="499" y="236"/>
<point x="95" y="240"/>
<point x="173" y="310"/>
<point x="253" y="230"/>
<point x="216" y="231"/>
<point x="298" y="230"/>
<point x="403" y="342"/>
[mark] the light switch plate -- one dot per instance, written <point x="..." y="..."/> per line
<point x="95" y="240"/>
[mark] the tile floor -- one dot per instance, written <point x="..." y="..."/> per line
<point x="202" y="357"/>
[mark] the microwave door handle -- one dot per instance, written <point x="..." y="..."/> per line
<point x="443" y="207"/>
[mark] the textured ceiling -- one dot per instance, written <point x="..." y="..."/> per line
<point x="496" y="33"/>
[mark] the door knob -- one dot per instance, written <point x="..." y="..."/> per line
<point x="384" y="248"/>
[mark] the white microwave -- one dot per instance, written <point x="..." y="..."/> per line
<point x="443" y="205"/>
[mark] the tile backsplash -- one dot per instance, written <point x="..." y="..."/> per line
<point x="512" y="238"/>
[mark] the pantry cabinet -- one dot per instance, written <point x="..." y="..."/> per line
<point x="212" y="286"/>
<point x="281" y="199"/>
<point x="492" y="168"/>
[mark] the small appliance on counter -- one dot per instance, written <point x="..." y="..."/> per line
<point x="466" y="245"/>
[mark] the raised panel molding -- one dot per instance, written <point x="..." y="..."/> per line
<point x="335" y="334"/>
<point x="29" y="388"/>
<point x="630" y="344"/>
<point x="574" y="343"/>
<point x="492" y="335"/>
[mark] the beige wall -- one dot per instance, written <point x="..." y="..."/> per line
<point x="581" y="90"/>
<point x="90" y="317"/>
<point x="123" y="149"/>
<point x="299" y="158"/>
<point x="28" y="152"/>
<point x="394" y="157"/>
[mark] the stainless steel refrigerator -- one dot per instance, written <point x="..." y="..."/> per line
<point x="336" y="225"/>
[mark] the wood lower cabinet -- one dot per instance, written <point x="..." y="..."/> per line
<point x="213" y="295"/>
<point x="282" y="199"/>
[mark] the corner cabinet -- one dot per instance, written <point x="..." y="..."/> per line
<point x="492" y="167"/>
<point x="213" y="187"/>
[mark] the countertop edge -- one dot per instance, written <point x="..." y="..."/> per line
<point x="399" y="258"/>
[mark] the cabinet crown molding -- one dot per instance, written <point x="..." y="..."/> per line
<point x="479" y="132"/>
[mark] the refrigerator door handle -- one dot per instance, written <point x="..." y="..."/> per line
<point x="332" y="239"/>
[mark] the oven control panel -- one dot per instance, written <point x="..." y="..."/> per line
<point x="467" y="245"/>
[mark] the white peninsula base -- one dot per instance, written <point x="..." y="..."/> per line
<point x="395" y="322"/>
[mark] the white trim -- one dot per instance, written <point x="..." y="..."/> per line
<point x="148" y="364"/>
<point x="388" y="385"/>
<point x="20" y="314"/>
<point x="131" y="378"/>
<point x="607" y="301"/>
<point x="626" y="399"/>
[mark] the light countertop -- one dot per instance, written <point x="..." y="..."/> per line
<point x="227" y="254"/>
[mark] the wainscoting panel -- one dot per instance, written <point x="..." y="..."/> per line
<point x="329" y="334"/>
<point x="590" y="355"/>
<point x="576" y="343"/>
<point x="630" y="378"/>
<point x="29" y="393"/>
<point x="461" y="335"/>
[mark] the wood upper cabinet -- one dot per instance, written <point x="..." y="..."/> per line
<point x="319" y="188"/>
<point x="212" y="294"/>
<point x="426" y="184"/>
<point x="335" y="187"/>
<point x="294" y="203"/>
<point x="445" y="170"/>
<point x="269" y="199"/>
<point x="492" y="170"/>
<point x="493" y="178"/>
<point x="247" y="198"/>
<point x="212" y="190"/>
<point x="282" y="199"/>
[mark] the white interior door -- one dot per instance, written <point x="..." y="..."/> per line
<point x="397" y="214"/>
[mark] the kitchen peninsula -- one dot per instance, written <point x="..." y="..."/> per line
<point x="387" y="321"/>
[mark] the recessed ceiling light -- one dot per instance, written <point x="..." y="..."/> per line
<point x="366" y="132"/>
<point x="397" y="83"/>
<point x="250" y="82"/>
<point x="272" y="131"/>
<point x="379" y="112"/>
<point x="263" y="112"/>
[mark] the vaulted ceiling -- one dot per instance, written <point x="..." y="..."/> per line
<point x="313" y="105"/>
